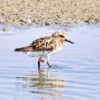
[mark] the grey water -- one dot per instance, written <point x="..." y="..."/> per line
<point x="75" y="74"/>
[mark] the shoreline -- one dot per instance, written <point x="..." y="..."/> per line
<point x="53" y="12"/>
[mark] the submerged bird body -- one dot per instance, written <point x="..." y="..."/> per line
<point x="45" y="46"/>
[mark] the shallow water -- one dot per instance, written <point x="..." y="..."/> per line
<point x="74" y="76"/>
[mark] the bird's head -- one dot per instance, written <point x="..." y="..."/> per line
<point x="62" y="36"/>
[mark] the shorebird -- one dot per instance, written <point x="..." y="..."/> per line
<point x="45" y="46"/>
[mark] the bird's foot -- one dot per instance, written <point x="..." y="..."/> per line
<point x="49" y="64"/>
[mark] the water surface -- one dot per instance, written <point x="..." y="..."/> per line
<point x="74" y="76"/>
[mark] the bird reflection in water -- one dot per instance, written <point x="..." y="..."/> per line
<point x="46" y="84"/>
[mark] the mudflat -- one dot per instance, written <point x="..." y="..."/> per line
<point x="49" y="12"/>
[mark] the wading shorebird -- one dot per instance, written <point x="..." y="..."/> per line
<point x="45" y="46"/>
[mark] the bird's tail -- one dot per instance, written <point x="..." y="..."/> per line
<point x="24" y="49"/>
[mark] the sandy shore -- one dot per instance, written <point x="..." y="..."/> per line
<point x="47" y="12"/>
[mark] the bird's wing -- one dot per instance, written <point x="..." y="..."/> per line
<point x="43" y="44"/>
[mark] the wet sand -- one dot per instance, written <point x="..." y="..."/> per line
<point x="49" y="12"/>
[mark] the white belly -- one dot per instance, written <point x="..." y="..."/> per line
<point x="38" y="54"/>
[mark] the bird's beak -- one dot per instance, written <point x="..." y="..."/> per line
<point x="69" y="41"/>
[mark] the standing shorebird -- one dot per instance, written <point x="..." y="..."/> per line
<point x="45" y="46"/>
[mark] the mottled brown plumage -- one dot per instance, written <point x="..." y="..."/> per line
<point x="43" y="44"/>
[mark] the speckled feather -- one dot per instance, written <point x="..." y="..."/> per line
<point x="43" y="44"/>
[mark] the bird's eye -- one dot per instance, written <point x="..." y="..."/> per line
<point x="61" y="36"/>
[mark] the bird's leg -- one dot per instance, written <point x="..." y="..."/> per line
<point x="41" y="60"/>
<point x="48" y="62"/>
<point x="38" y="64"/>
